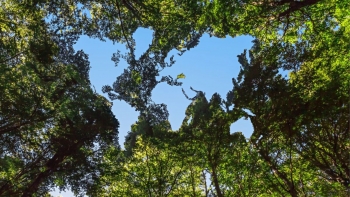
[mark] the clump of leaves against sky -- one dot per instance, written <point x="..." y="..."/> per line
<point x="56" y="131"/>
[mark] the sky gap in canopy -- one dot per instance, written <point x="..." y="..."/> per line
<point x="209" y="67"/>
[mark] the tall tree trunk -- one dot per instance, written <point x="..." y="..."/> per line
<point x="216" y="181"/>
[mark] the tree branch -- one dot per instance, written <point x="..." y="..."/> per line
<point x="295" y="6"/>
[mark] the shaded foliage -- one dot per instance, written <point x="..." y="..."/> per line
<point x="53" y="127"/>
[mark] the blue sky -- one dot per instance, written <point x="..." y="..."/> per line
<point x="209" y="67"/>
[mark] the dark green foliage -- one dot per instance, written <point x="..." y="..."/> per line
<point x="54" y="129"/>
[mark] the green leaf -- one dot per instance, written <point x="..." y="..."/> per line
<point x="136" y="77"/>
<point x="181" y="76"/>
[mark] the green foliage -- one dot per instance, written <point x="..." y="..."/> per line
<point x="149" y="172"/>
<point x="180" y="76"/>
<point x="56" y="131"/>
<point x="294" y="120"/>
<point x="53" y="127"/>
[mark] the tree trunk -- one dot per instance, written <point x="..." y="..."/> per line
<point x="216" y="181"/>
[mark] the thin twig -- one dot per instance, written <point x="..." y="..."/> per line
<point x="122" y="25"/>
<point x="8" y="59"/>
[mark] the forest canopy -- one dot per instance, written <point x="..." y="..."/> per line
<point x="58" y="132"/>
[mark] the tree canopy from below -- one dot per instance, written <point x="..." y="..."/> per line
<point x="55" y="131"/>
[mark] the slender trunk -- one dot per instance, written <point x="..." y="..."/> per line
<point x="293" y="192"/>
<point x="205" y="184"/>
<point x="36" y="183"/>
<point x="291" y="188"/>
<point x="216" y="181"/>
<point x="5" y="187"/>
<point x="193" y="182"/>
<point x="51" y="166"/>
